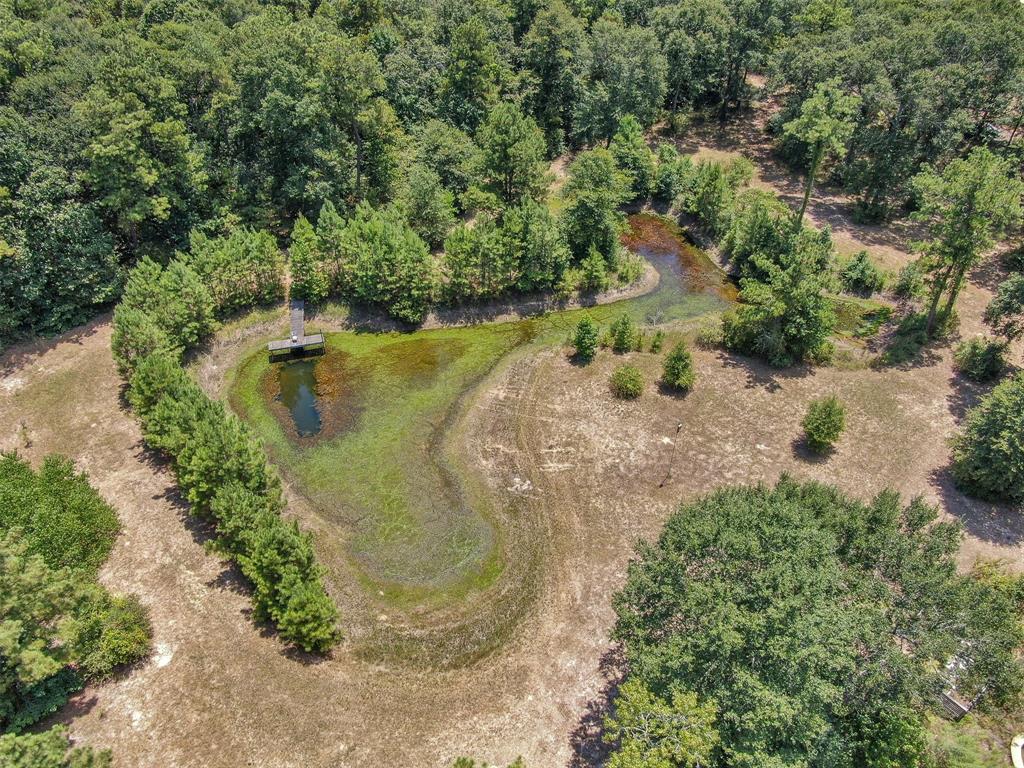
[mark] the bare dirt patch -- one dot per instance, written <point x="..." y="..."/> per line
<point x="588" y="475"/>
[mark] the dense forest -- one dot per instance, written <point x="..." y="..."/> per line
<point x="130" y="129"/>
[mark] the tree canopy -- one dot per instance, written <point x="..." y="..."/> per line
<point x="127" y="130"/>
<point x="793" y="626"/>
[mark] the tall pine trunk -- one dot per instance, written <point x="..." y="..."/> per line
<point x="933" y="308"/>
<point x="815" y="161"/>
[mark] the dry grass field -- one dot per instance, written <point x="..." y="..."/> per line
<point x="581" y="477"/>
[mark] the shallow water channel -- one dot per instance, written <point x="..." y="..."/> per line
<point x="688" y="280"/>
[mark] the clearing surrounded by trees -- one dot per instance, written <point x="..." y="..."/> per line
<point x="664" y="408"/>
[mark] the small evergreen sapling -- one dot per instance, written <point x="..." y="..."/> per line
<point x="624" y="335"/>
<point x="678" y="371"/>
<point x="824" y="423"/>
<point x="981" y="359"/>
<point x="585" y="339"/>
<point x="627" y="382"/>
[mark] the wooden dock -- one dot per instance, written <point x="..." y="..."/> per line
<point x="299" y="344"/>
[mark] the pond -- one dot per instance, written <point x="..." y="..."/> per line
<point x="370" y="431"/>
<point x="296" y="384"/>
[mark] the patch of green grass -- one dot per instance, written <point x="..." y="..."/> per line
<point x="859" y="318"/>
<point x="416" y="537"/>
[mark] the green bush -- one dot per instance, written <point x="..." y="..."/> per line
<point x="678" y="371"/>
<point x="114" y="633"/>
<point x="39" y="607"/>
<point x="785" y="317"/>
<point x="710" y="336"/>
<point x="385" y="263"/>
<point x="988" y="455"/>
<point x="55" y="534"/>
<point x="981" y="360"/>
<point x="674" y="174"/>
<point x="594" y="272"/>
<point x="824" y="423"/>
<point x="175" y="299"/>
<point x="280" y="563"/>
<point x="633" y="157"/>
<point x="658" y="341"/>
<point x="627" y="382"/>
<point x="860" y="275"/>
<point x="624" y="334"/>
<point x="585" y="339"/>
<point x="309" y="275"/>
<point x="629" y="268"/>
<point x="61" y="517"/>
<point x="49" y="749"/>
<point x="135" y="336"/>
<point x="910" y="281"/>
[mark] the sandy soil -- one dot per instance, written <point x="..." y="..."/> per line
<point x="588" y="473"/>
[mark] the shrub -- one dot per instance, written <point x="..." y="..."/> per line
<point x="860" y="275"/>
<point x="244" y="268"/>
<point x="175" y="300"/>
<point x="710" y="336"/>
<point x="49" y="749"/>
<point x="624" y="334"/>
<point x="761" y="226"/>
<point x="387" y="263"/>
<point x="61" y="517"/>
<point x="910" y="281"/>
<point x="135" y="336"/>
<point x="674" y="173"/>
<point x="627" y="382"/>
<point x="988" y="456"/>
<point x="678" y="371"/>
<point x="585" y="339"/>
<point x="785" y="317"/>
<point x="658" y="341"/>
<point x="309" y="276"/>
<point x="61" y="520"/>
<point x="981" y="359"/>
<point x="39" y="606"/>
<point x="594" y="273"/>
<point x="428" y="206"/>
<point x="824" y="423"/>
<point x="114" y="633"/>
<point x="629" y="268"/>
<point x="633" y="157"/>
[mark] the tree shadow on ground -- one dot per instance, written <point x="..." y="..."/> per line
<point x="203" y="532"/>
<point x="78" y="705"/>
<point x="761" y="375"/>
<point x="964" y="394"/>
<point x="902" y="345"/>
<point x="1001" y="524"/>
<point x="22" y="354"/>
<point x="675" y="393"/>
<point x="588" y="748"/>
<point x="990" y="273"/>
<point x="802" y="451"/>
